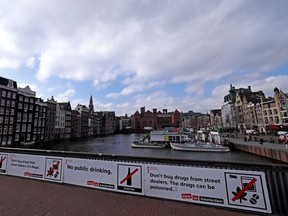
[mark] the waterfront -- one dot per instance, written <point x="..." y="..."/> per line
<point x="120" y="144"/>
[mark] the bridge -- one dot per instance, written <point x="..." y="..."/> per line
<point x="154" y="186"/>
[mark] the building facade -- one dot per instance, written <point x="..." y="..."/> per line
<point x="8" y="103"/>
<point x="50" y="119"/>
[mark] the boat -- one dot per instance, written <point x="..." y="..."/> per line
<point x="199" y="147"/>
<point x="203" y="142"/>
<point x="159" y="139"/>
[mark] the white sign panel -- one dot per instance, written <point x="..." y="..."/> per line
<point x="129" y="178"/>
<point x="3" y="163"/>
<point x="106" y="175"/>
<point x="35" y="166"/>
<point x="90" y="173"/>
<point x="220" y="187"/>
<point x="30" y="166"/>
<point x="53" y="169"/>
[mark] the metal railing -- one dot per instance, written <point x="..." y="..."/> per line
<point x="276" y="174"/>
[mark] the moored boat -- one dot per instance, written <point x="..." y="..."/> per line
<point x="203" y="142"/>
<point x="159" y="139"/>
<point x="202" y="147"/>
<point x="143" y="144"/>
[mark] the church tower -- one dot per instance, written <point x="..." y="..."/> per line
<point x="91" y="106"/>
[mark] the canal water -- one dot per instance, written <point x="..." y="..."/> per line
<point x="120" y="144"/>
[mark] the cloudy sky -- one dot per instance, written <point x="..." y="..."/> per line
<point x="159" y="54"/>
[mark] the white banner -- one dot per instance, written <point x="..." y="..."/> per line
<point x="106" y="175"/>
<point x="220" y="187"/>
<point x="35" y="166"/>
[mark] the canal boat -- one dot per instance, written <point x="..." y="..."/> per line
<point x="199" y="147"/>
<point x="159" y="139"/>
<point x="203" y="142"/>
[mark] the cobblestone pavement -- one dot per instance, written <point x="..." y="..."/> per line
<point x="20" y="196"/>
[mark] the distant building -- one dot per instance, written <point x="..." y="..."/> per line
<point x="216" y="119"/>
<point x="124" y="124"/>
<point x="84" y="113"/>
<point x="8" y="103"/>
<point x="50" y="119"/>
<point x="105" y="122"/>
<point x="27" y="118"/>
<point x="248" y="109"/>
<point x="66" y="108"/>
<point x="147" y="120"/>
<point x="272" y="112"/>
<point x="39" y="121"/>
<point x="75" y="124"/>
<point x="228" y="110"/>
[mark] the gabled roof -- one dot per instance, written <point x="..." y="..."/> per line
<point x="5" y="82"/>
<point x="65" y="106"/>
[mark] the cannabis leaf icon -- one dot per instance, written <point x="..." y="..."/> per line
<point x="242" y="196"/>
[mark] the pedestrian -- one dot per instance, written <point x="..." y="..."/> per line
<point x="261" y="141"/>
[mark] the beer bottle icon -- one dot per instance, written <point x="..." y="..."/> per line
<point x="129" y="180"/>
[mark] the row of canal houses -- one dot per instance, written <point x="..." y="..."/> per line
<point x="244" y="110"/>
<point x="26" y="119"/>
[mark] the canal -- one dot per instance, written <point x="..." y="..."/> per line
<point x="120" y="144"/>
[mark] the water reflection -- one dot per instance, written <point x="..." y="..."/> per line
<point x="120" y="144"/>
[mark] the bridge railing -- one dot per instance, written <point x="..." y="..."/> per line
<point x="248" y="187"/>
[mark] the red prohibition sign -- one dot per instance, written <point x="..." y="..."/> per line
<point x="244" y="189"/>
<point x="54" y="167"/>
<point x="129" y="176"/>
<point x="2" y="159"/>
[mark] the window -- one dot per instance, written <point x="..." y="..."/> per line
<point x="31" y="100"/>
<point x="26" y="106"/>
<point x="2" y="110"/>
<point x="26" y="100"/>
<point x="31" y="107"/>
<point x="29" y="128"/>
<point x="18" y="116"/>
<point x="9" y="140"/>
<point x="270" y="112"/>
<point x="14" y="95"/>
<point x="271" y="120"/>
<point x="17" y="137"/>
<point x="275" y="111"/>
<point x="3" y="93"/>
<point x="20" y="98"/>
<point x="19" y="105"/>
<point x="30" y="117"/>
<point x="265" y="112"/>
<point x="12" y="112"/>
<point x="276" y="120"/>
<point x="23" y="129"/>
<point x="11" y="120"/>
<point x="8" y="102"/>
<point x="8" y="94"/>
<point x="6" y="120"/>
<point x="28" y="136"/>
<point x="5" y="131"/>
<point x="7" y="112"/>
<point x="12" y="103"/>
<point x="0" y="130"/>
<point x="18" y="127"/>
<point x="10" y="129"/>
<point x="2" y="102"/>
<point x="1" y="119"/>
<point x="24" y="117"/>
